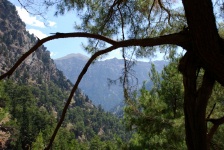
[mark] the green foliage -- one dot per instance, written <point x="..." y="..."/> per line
<point x="95" y="143"/>
<point x="90" y="122"/>
<point x="34" y="110"/>
<point x="3" y="101"/>
<point x="215" y="110"/>
<point x="132" y="19"/>
<point x="38" y="144"/>
<point x="156" y="116"/>
<point x="172" y="91"/>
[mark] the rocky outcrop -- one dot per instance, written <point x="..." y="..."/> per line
<point x="15" y="41"/>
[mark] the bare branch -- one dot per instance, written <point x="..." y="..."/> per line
<point x="180" y="39"/>
<point x="167" y="11"/>
<point x="35" y="13"/>
<point x="216" y="124"/>
<point x="110" y="12"/>
<point x="49" y="38"/>
<point x="150" y="11"/>
<point x="217" y="121"/>
<point x="211" y="111"/>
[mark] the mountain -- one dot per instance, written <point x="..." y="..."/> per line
<point x="32" y="99"/>
<point x="96" y="82"/>
<point x="15" y="41"/>
<point x="76" y="55"/>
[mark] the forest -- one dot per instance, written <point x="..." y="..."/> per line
<point x="29" y="121"/>
<point x="183" y="109"/>
<point x="152" y="119"/>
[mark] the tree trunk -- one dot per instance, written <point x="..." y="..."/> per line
<point x="206" y="49"/>
<point x="188" y="69"/>
<point x="195" y="102"/>
<point x="195" y="112"/>
<point x="207" y="45"/>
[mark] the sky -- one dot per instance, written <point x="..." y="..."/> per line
<point x="43" y="27"/>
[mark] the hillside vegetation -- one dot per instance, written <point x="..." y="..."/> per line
<point x="32" y="100"/>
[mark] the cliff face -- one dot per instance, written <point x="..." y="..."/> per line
<point x="15" y="41"/>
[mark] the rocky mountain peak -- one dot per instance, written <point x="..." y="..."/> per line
<point x="75" y="56"/>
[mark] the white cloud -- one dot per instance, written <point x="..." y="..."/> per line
<point x="28" y="19"/>
<point x="37" y="33"/>
<point x="32" y="20"/>
<point x="52" y="54"/>
<point x="51" y="23"/>
<point x="114" y="54"/>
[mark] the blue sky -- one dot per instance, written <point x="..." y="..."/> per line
<point x="41" y="28"/>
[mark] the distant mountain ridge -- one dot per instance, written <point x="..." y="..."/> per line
<point x="95" y="82"/>
<point x="77" y="55"/>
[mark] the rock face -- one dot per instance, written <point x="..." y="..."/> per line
<point x="15" y="41"/>
<point x="37" y="70"/>
<point x="96" y="81"/>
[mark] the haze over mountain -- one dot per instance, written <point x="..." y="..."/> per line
<point x="95" y="83"/>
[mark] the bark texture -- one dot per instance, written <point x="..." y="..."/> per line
<point x="207" y="45"/>
<point x="206" y="52"/>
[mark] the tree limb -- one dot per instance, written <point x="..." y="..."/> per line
<point x="216" y="124"/>
<point x="211" y="111"/>
<point x="180" y="39"/>
<point x="53" y="37"/>
<point x="167" y="11"/>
